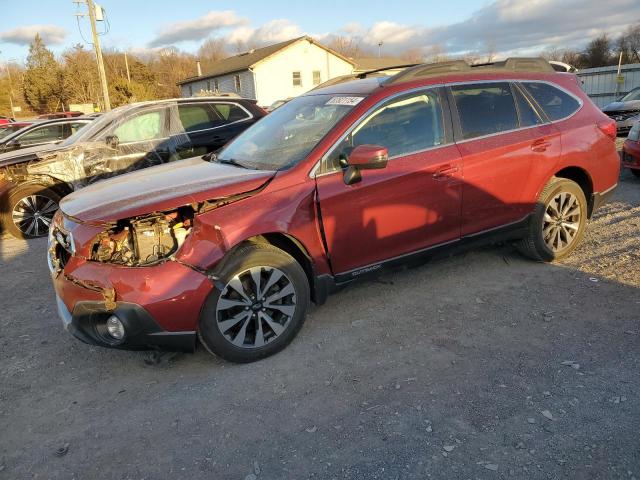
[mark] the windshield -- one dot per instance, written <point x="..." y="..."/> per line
<point x="631" y="96"/>
<point x="287" y="135"/>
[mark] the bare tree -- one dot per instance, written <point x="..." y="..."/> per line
<point x="435" y="53"/>
<point x="629" y="44"/>
<point x="413" y="55"/>
<point x="347" y="46"/>
<point x="212" y="51"/>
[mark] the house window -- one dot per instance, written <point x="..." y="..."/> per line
<point x="216" y="86"/>
<point x="190" y="91"/>
<point x="236" y="78"/>
<point x="297" y="79"/>
<point x="209" y="85"/>
<point x="316" y="77"/>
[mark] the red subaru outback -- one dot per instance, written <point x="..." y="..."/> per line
<point x="338" y="183"/>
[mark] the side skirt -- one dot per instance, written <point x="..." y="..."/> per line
<point x="327" y="284"/>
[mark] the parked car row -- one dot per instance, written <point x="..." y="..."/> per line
<point x="232" y="246"/>
<point x="127" y="138"/>
<point x="631" y="150"/>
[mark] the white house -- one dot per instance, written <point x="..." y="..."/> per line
<point x="273" y="73"/>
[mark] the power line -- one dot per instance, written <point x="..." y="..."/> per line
<point x="96" y="45"/>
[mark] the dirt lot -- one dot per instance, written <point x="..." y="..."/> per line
<point x="484" y="365"/>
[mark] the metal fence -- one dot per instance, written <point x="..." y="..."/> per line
<point x="600" y="83"/>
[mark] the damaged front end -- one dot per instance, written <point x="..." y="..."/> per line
<point x="144" y="240"/>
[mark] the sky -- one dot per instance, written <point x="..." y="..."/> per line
<point x="506" y="27"/>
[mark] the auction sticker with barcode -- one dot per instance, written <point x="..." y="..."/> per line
<point x="348" y="101"/>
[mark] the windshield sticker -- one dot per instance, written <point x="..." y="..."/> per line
<point x="347" y="101"/>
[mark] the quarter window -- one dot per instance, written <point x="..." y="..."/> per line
<point x="555" y="103"/>
<point x="485" y="109"/>
<point x="404" y="126"/>
<point x="297" y="79"/>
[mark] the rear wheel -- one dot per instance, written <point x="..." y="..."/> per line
<point x="558" y="222"/>
<point x="260" y="306"/>
<point x="29" y="210"/>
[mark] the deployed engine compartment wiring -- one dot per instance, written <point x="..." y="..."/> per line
<point x="144" y="240"/>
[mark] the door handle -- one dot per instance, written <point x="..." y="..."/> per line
<point x="445" y="172"/>
<point x="540" y="145"/>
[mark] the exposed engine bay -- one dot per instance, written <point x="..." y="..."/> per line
<point x="143" y="240"/>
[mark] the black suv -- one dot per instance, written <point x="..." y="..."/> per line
<point x="128" y="138"/>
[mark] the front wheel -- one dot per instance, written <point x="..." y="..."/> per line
<point x="258" y="305"/>
<point x="558" y="222"/>
<point x="29" y="210"/>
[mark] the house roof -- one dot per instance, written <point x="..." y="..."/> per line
<point x="363" y="64"/>
<point x="246" y="60"/>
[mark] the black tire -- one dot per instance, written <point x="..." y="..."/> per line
<point x="268" y="261"/>
<point x="41" y="197"/>
<point x="636" y="172"/>
<point x="534" y="245"/>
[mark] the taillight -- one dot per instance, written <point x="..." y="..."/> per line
<point x="609" y="128"/>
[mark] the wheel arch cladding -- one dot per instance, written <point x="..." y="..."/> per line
<point x="583" y="179"/>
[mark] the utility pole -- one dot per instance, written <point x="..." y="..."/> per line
<point x="96" y="44"/>
<point x="126" y="64"/>
<point x="10" y="91"/>
<point x="379" y="49"/>
<point x="8" y="67"/>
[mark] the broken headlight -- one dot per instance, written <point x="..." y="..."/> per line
<point x="143" y="240"/>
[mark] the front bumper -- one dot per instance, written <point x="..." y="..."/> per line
<point x="158" y="305"/>
<point x="88" y="320"/>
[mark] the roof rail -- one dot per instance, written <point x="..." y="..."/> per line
<point x="362" y="75"/>
<point x="513" y="64"/>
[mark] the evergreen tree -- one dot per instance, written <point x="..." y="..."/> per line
<point x="43" y="79"/>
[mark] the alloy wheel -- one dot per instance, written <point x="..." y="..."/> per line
<point x="562" y="219"/>
<point x="255" y="307"/>
<point x="32" y="214"/>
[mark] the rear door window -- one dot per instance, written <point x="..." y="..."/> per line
<point x="198" y="116"/>
<point x="528" y="115"/>
<point x="485" y="109"/>
<point x="556" y="103"/>
<point x="231" y="112"/>
<point x="45" y="133"/>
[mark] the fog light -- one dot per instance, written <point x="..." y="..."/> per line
<point x="115" y="327"/>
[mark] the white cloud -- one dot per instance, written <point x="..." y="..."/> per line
<point x="271" y="32"/>
<point x="505" y="26"/>
<point x="523" y="27"/>
<point x="198" y="29"/>
<point x="50" y="34"/>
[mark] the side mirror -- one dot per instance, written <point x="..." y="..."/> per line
<point x="13" y="144"/>
<point x="364" y="157"/>
<point x="112" y="141"/>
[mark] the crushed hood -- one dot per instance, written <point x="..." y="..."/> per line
<point x="26" y="154"/>
<point x="622" y="106"/>
<point x="161" y="188"/>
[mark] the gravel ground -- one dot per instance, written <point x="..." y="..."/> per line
<point x="484" y="365"/>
